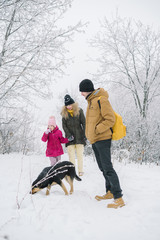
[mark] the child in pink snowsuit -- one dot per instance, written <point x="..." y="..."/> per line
<point x="53" y="136"/>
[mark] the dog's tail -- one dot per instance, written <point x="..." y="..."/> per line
<point x="78" y="178"/>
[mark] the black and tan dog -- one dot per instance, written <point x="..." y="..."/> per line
<point x="54" y="175"/>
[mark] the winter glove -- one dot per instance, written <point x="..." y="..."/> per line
<point x="47" y="131"/>
<point x="87" y="142"/>
<point x="71" y="138"/>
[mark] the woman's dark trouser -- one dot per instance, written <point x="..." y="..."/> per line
<point x="103" y="157"/>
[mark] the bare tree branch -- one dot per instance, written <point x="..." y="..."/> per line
<point x="131" y="56"/>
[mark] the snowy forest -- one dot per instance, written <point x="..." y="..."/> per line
<point x="33" y="54"/>
<point x="46" y="48"/>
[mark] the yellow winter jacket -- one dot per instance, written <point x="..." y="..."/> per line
<point x="99" y="120"/>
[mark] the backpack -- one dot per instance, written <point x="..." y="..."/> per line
<point x="119" y="129"/>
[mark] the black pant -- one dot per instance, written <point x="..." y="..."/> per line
<point x="103" y="157"/>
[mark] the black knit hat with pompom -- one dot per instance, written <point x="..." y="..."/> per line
<point x="68" y="100"/>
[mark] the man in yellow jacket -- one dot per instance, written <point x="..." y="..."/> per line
<point x="100" y="118"/>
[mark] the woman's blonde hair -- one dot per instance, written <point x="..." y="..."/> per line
<point x="75" y="108"/>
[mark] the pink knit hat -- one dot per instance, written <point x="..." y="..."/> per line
<point x="52" y="121"/>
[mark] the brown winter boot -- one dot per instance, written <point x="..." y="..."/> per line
<point x="117" y="203"/>
<point x="108" y="195"/>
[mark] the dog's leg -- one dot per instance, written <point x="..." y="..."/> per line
<point x="70" y="181"/>
<point x="48" y="189"/>
<point x="64" y="188"/>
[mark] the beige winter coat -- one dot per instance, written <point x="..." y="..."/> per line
<point x="99" y="119"/>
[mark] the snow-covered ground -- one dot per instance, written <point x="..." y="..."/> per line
<point x="78" y="216"/>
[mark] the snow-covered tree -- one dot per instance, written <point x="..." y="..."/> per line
<point x="32" y="47"/>
<point x="32" y="52"/>
<point x="130" y="61"/>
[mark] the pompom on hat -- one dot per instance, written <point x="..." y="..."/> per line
<point x="68" y="100"/>
<point x="52" y="121"/>
<point x="86" y="86"/>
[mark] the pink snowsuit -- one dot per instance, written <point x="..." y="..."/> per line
<point x="54" y="138"/>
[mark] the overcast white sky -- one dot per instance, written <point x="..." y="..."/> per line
<point x="91" y="10"/>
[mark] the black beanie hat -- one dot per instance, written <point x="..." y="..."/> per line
<point x="86" y="86"/>
<point x="68" y="100"/>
